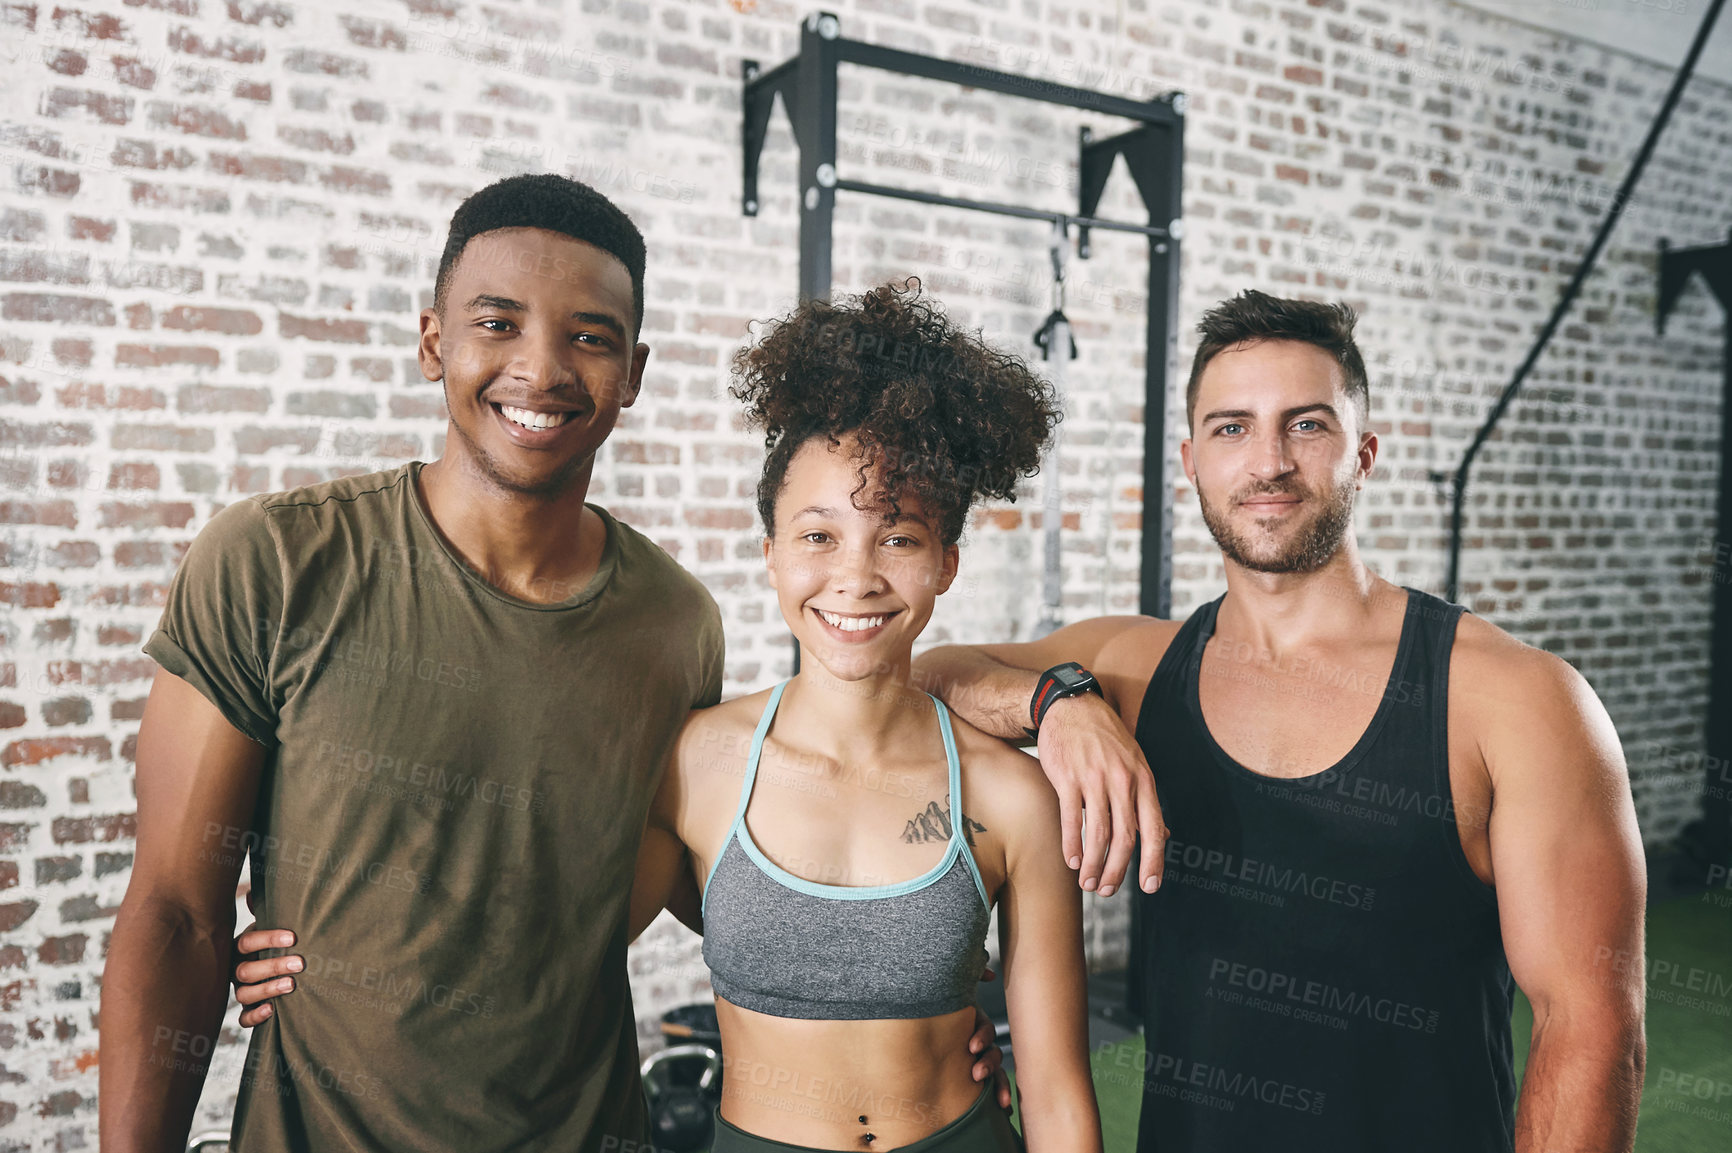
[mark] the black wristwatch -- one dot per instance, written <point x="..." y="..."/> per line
<point x="1067" y="680"/>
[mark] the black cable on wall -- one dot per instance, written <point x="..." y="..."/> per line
<point x="1569" y="296"/>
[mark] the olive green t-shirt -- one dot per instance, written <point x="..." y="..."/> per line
<point x="449" y="815"/>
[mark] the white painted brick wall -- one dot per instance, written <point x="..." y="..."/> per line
<point x="218" y="220"/>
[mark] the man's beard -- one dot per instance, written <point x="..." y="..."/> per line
<point x="1311" y="545"/>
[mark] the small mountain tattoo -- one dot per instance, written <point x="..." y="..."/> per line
<point x="933" y="824"/>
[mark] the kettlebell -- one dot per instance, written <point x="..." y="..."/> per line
<point x="677" y="1084"/>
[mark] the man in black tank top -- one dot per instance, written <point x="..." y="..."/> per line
<point x="1376" y="817"/>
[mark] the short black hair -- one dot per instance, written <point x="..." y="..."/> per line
<point x="937" y="414"/>
<point x="1254" y="316"/>
<point x="556" y="203"/>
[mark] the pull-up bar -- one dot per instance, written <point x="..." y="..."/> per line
<point x="1001" y="209"/>
<point x="1153" y="151"/>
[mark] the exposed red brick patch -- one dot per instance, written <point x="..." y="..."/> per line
<point x="336" y="331"/>
<point x="232" y="321"/>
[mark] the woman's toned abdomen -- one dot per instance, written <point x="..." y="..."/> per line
<point x="812" y="1082"/>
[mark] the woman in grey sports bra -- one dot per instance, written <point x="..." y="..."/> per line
<point x="849" y="836"/>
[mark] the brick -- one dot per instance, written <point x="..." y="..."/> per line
<point x="374" y="445"/>
<point x="337" y="331"/>
<point x="419" y="407"/>
<point x="69" y="63"/>
<point x="637" y="452"/>
<point x="90" y="25"/>
<point x="230" y="48"/>
<point x="272" y="169"/>
<point x="66" y="711"/>
<point x="178" y="198"/>
<point x="47" y="181"/>
<point x="61" y="103"/>
<point x="316" y="140"/>
<point x="140" y="554"/>
<point x="89" y="228"/>
<point x="147" y="154"/>
<point x="142" y="594"/>
<point x="100" y="396"/>
<point x="135" y="474"/>
<point x="133" y="73"/>
<point x="21" y="795"/>
<point x="73" y="351"/>
<point x="196" y="476"/>
<point x="147" y="514"/>
<point x="29" y="594"/>
<point x="22" y="392"/>
<point x="335" y="404"/>
<point x="314" y="62"/>
<point x="86" y="908"/>
<point x="203" y="398"/>
<point x="67" y="950"/>
<point x="40" y="307"/>
<point x="74" y="554"/>
<point x="265" y="290"/>
<point x="15" y="914"/>
<point x="373" y="34"/>
<point x="21" y="226"/>
<point x="58" y="513"/>
<point x="377" y="369"/>
<point x="163" y="355"/>
<point x="89" y="830"/>
<point x="161" y="438"/>
<point x="54" y="870"/>
<point x="229" y="321"/>
<point x="155" y="238"/>
<point x="257" y="13"/>
<point x="340" y="178"/>
<point x="108" y="864"/>
<point x="251" y="440"/>
<point x="195" y="120"/>
<point x="225" y="247"/>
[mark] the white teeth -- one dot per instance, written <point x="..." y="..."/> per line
<point x="852" y="624"/>
<point x="530" y="419"/>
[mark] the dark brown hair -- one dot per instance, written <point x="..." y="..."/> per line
<point x="1252" y="316"/>
<point x="945" y="417"/>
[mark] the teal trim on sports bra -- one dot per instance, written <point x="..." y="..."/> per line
<point x="957" y="845"/>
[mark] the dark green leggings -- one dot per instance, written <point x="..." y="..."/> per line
<point x="983" y="1129"/>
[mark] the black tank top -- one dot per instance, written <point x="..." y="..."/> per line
<point x="1321" y="968"/>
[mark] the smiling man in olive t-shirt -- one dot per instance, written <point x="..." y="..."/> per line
<point x="432" y="703"/>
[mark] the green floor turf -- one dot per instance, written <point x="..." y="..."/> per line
<point x="1687" y="1095"/>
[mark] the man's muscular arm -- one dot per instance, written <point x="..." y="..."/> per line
<point x="1571" y="889"/>
<point x="165" y="984"/>
<point x="1085" y="745"/>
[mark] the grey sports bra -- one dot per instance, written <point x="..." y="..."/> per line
<point x="780" y="944"/>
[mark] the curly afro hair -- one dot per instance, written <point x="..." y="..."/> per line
<point x="937" y="415"/>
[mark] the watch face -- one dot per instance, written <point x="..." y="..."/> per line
<point x="1071" y="678"/>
